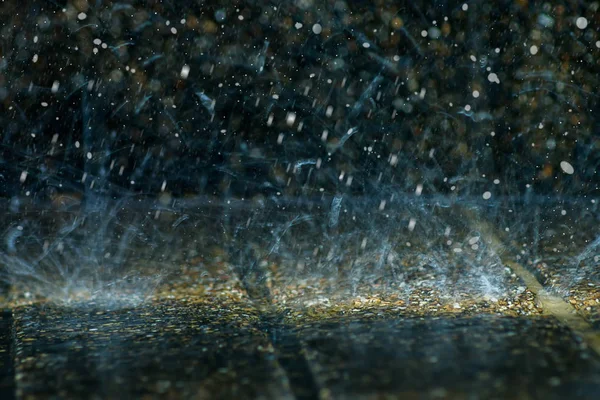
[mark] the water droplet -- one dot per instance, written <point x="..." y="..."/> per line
<point x="567" y="168"/>
<point x="185" y="71"/>
<point x="582" y="22"/>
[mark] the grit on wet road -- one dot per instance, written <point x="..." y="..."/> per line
<point x="227" y="350"/>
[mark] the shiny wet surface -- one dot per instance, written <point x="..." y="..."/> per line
<point x="174" y="350"/>
<point x="274" y="305"/>
<point x="6" y="362"/>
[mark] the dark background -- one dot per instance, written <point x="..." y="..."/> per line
<point x="398" y="75"/>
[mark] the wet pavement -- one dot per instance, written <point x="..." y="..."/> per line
<point x="170" y="350"/>
<point x="561" y="246"/>
<point x="6" y="361"/>
<point x="177" y="350"/>
<point x="418" y="358"/>
<point x="275" y="305"/>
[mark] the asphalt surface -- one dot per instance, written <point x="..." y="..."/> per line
<point x="6" y="360"/>
<point x="174" y="350"/>
<point x="291" y="308"/>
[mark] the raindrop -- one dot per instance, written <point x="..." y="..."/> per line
<point x="567" y="168"/>
<point x="185" y="71"/>
<point x="533" y="50"/>
<point x="582" y="22"/>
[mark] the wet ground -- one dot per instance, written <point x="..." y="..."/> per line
<point x="560" y="244"/>
<point x="6" y="361"/>
<point x="271" y="305"/>
<point x="221" y="351"/>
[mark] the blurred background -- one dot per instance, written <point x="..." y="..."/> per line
<point x="299" y="99"/>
